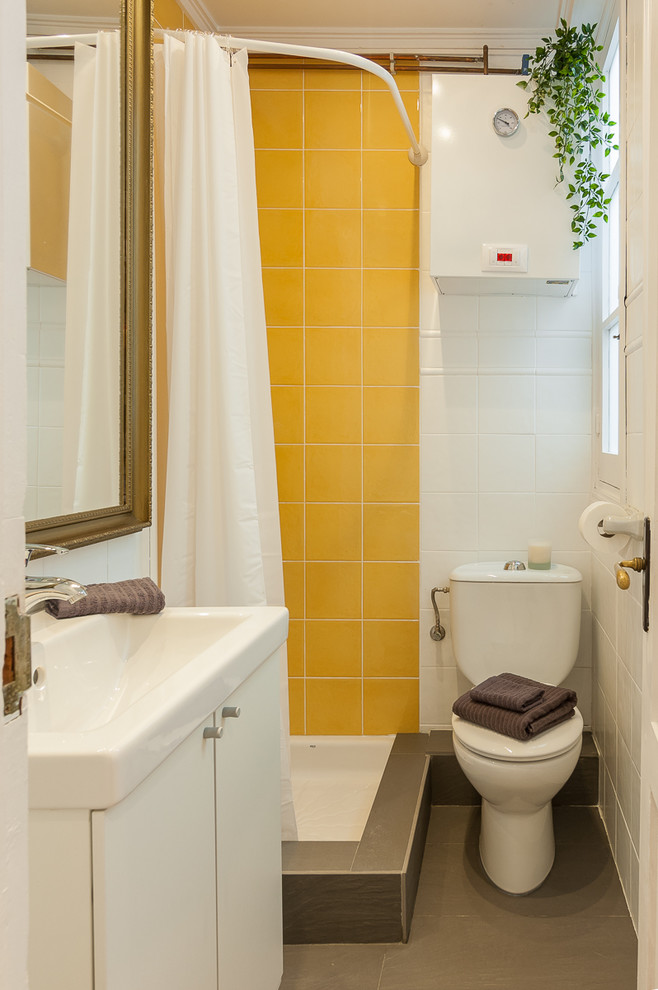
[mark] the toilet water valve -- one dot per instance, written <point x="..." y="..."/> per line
<point x="437" y="632"/>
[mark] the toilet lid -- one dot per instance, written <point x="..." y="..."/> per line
<point x="486" y="742"/>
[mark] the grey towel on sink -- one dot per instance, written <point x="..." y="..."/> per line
<point x="140" y="596"/>
<point x="557" y="705"/>
<point x="509" y="691"/>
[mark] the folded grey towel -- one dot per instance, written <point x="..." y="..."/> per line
<point x="509" y="691"/>
<point x="556" y="706"/>
<point x="140" y="596"/>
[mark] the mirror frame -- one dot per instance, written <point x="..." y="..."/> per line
<point x="134" y="511"/>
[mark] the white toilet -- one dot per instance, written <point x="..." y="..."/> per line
<point x="526" y="622"/>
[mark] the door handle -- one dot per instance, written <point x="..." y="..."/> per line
<point x="213" y="732"/>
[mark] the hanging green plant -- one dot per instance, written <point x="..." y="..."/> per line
<point x="564" y="82"/>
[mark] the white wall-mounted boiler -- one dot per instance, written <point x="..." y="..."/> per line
<point x="499" y="224"/>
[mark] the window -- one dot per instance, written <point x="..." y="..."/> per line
<point x="609" y="418"/>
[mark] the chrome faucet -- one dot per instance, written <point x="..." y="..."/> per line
<point x="40" y="590"/>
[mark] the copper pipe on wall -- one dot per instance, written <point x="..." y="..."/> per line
<point x="394" y="63"/>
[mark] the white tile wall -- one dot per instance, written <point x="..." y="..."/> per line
<point x="505" y="449"/>
<point x="115" y="560"/>
<point x="46" y="306"/>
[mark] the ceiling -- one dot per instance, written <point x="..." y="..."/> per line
<point x="397" y="24"/>
<point x="536" y="14"/>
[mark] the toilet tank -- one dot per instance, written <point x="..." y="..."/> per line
<point x="526" y="622"/>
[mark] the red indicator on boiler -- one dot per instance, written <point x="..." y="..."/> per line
<point x="503" y="256"/>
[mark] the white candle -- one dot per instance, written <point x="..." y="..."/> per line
<point x="539" y="555"/>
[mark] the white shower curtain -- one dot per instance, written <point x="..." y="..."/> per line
<point x="92" y="411"/>
<point x="221" y="536"/>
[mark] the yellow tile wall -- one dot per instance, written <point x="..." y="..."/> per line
<point x="338" y="214"/>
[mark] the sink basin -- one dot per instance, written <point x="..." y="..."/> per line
<point x="113" y="695"/>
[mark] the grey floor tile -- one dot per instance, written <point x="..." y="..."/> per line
<point x="441" y="741"/>
<point x="574" y="933"/>
<point x="387" y="832"/>
<point x="461" y="823"/>
<point x="583" y="882"/>
<point x="411" y="742"/>
<point x="332" y="967"/>
<point x="492" y="954"/>
<point x="582" y="826"/>
<point x="454" y="823"/>
<point x="318" y="857"/>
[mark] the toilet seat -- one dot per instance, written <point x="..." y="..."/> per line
<point x="551" y="743"/>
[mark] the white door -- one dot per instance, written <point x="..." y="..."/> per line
<point x="648" y="903"/>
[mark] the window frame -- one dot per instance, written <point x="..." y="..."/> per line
<point x="609" y="473"/>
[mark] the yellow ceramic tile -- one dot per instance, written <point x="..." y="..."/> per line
<point x="390" y="705"/>
<point x="390" y="415"/>
<point x="390" y="474"/>
<point x="390" y="239"/>
<point x="333" y="591"/>
<point x="390" y="591"/>
<point x="281" y="238"/>
<point x="285" y="348"/>
<point x="390" y="357"/>
<point x="333" y="357"/>
<point x="333" y="473"/>
<point x="296" y="701"/>
<point x="333" y="648"/>
<point x="390" y="648"/>
<point x="295" y="648"/>
<point x="382" y="124"/>
<point x="277" y="118"/>
<point x="390" y="532"/>
<point x="332" y="120"/>
<point x="168" y="15"/>
<point x="390" y="297"/>
<point x="279" y="179"/>
<point x="333" y="414"/>
<point x="283" y="290"/>
<point x="288" y="413"/>
<point x="333" y="238"/>
<point x="293" y="583"/>
<point x="332" y="180"/>
<point x="333" y="706"/>
<point x="264" y="78"/>
<point x="333" y="531"/>
<point x="291" y="516"/>
<point x="406" y="80"/>
<point x="333" y="297"/>
<point x="290" y="472"/>
<point x="334" y="78"/>
<point x="390" y="181"/>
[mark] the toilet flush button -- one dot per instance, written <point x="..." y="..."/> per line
<point x="514" y="565"/>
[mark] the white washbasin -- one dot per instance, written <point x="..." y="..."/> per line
<point x="115" y="694"/>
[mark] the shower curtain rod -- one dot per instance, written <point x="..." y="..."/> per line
<point x="417" y="154"/>
<point x="59" y="40"/>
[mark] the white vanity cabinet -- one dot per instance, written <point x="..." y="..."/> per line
<point x="186" y="870"/>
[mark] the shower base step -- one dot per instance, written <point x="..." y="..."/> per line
<point x="335" y="892"/>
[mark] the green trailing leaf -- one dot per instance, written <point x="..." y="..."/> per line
<point x="564" y="83"/>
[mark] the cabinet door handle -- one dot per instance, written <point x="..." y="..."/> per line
<point x="213" y="732"/>
<point x="230" y="711"/>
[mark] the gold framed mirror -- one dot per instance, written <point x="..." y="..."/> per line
<point x="133" y="509"/>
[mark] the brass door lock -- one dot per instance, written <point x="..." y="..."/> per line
<point x="623" y="579"/>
